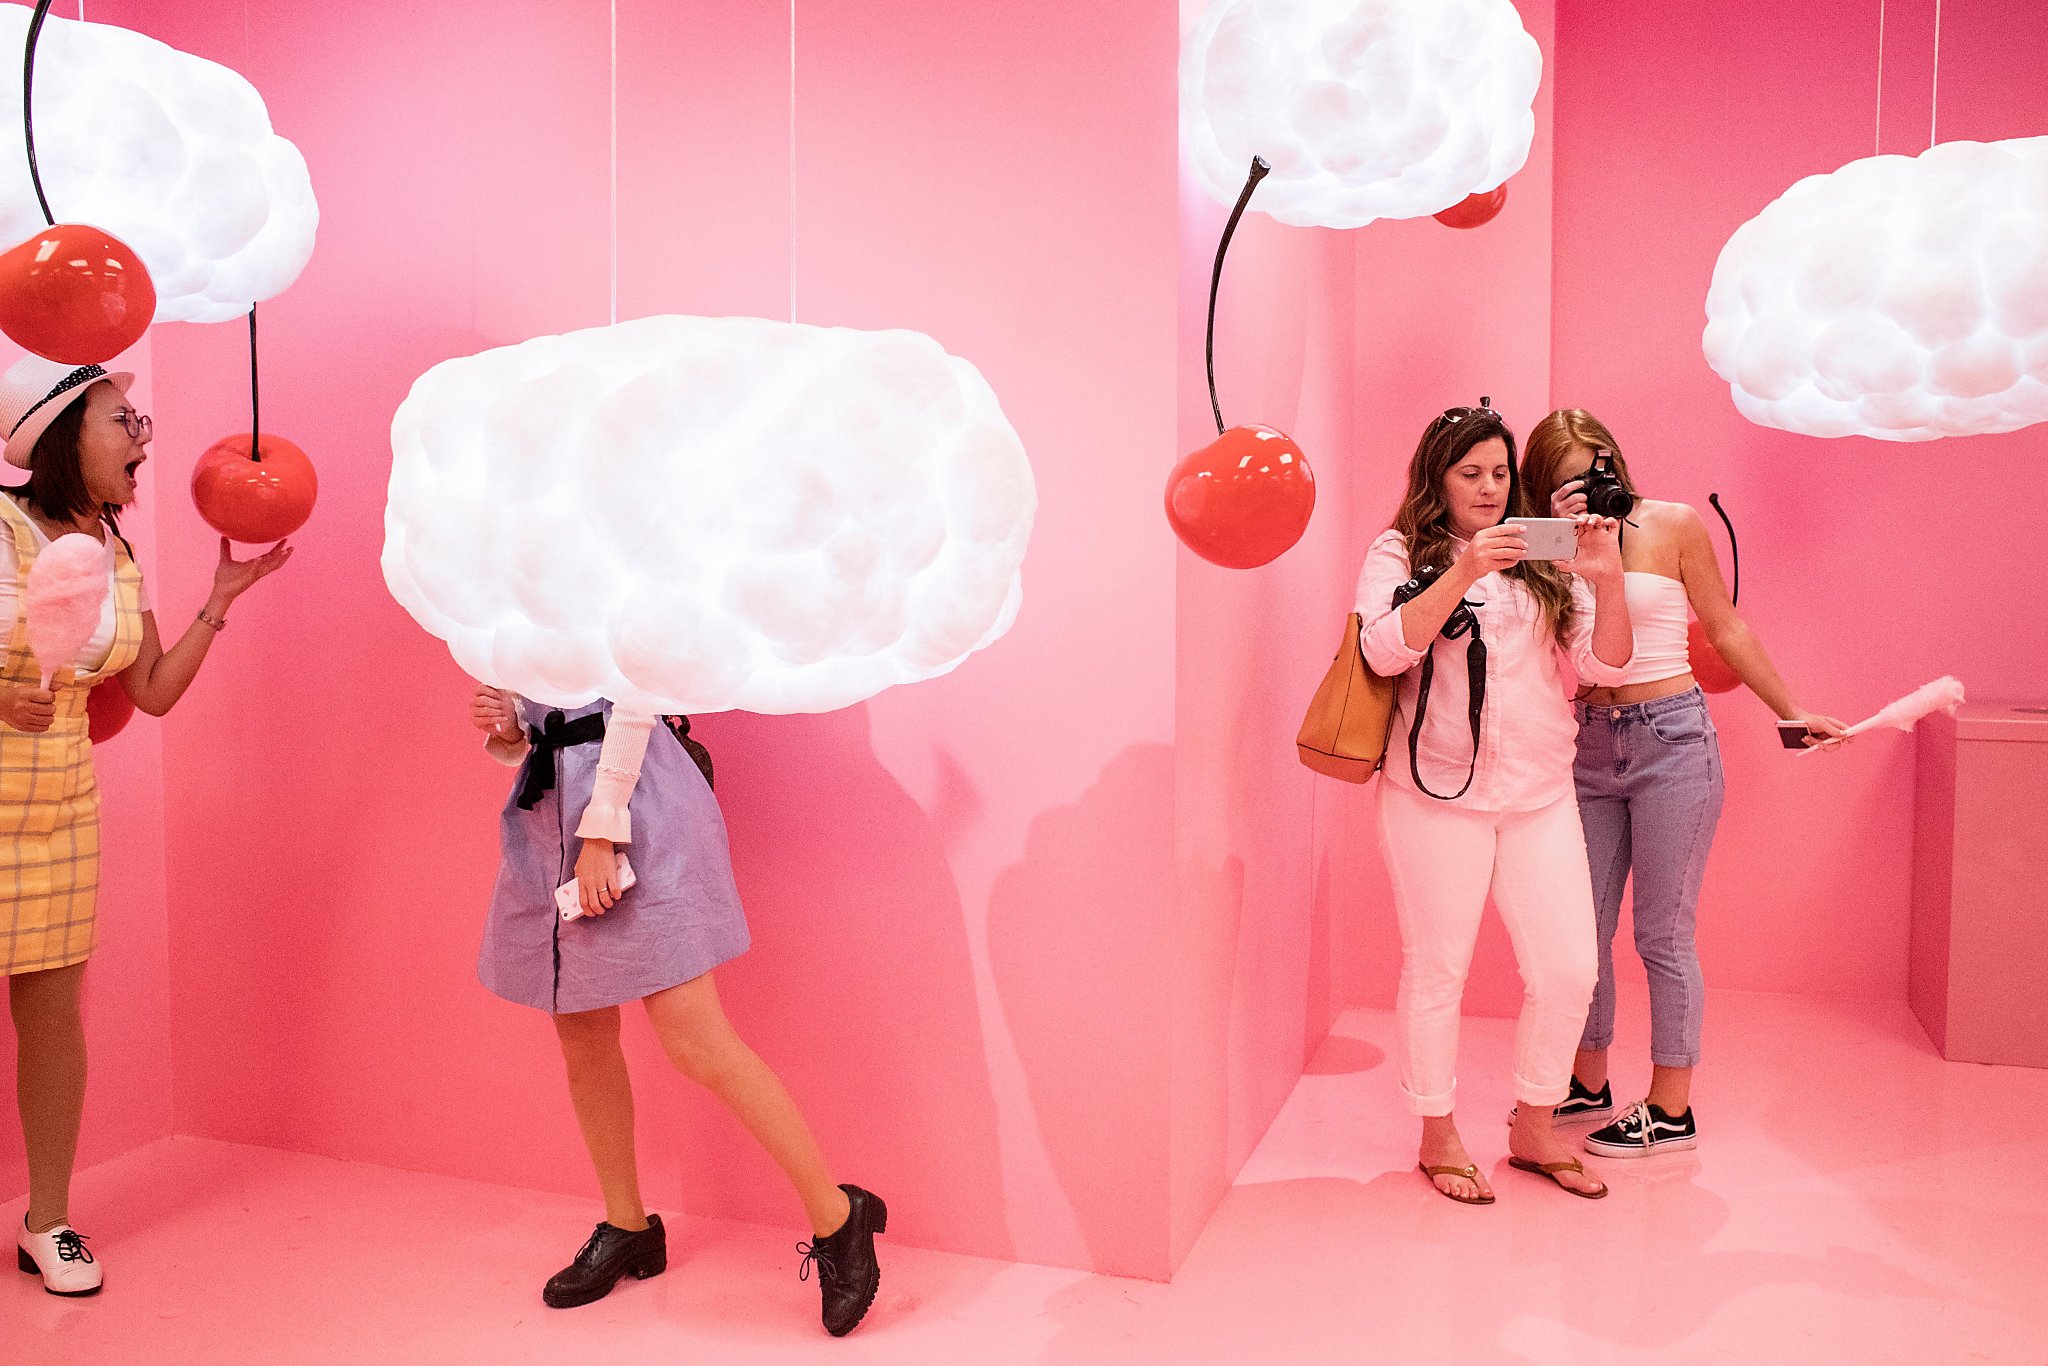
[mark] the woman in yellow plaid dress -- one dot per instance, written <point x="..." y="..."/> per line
<point x="75" y="432"/>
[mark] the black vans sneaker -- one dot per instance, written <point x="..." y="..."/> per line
<point x="1581" y="1106"/>
<point x="1645" y="1129"/>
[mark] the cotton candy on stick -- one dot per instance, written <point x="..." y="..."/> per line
<point x="65" y="596"/>
<point x="1943" y="694"/>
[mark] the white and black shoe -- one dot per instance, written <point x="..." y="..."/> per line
<point x="60" y="1257"/>
<point x="1645" y="1129"/>
<point x="1581" y="1106"/>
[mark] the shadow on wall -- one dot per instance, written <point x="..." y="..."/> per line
<point x="1083" y="964"/>
<point x="859" y="986"/>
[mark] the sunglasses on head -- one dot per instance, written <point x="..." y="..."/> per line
<point x="1460" y="414"/>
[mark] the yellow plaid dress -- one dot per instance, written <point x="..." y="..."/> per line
<point x="49" y="803"/>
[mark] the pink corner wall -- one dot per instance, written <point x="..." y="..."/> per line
<point x="960" y="893"/>
<point x="1351" y="342"/>
<point x="1868" y="567"/>
<point x="1092" y="912"/>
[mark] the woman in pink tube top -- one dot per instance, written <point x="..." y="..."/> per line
<point x="1649" y="773"/>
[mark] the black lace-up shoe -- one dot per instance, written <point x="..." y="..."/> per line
<point x="848" y="1274"/>
<point x="1643" y="1130"/>
<point x="1581" y="1106"/>
<point x="612" y="1252"/>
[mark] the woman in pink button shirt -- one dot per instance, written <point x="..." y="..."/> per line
<point x="1461" y="818"/>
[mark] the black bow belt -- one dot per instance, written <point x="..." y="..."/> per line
<point x="556" y="733"/>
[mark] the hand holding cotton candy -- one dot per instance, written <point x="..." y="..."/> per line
<point x="64" y="598"/>
<point x="1943" y="694"/>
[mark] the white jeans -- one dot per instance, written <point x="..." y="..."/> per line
<point x="1443" y="860"/>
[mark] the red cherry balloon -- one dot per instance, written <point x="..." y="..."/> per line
<point x="1475" y="209"/>
<point x="1243" y="499"/>
<point x="107" y="710"/>
<point x="254" y="500"/>
<point x="1708" y="668"/>
<point x="75" y="295"/>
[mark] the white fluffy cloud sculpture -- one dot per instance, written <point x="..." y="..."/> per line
<point x="703" y="514"/>
<point x="1364" y="108"/>
<point x="1904" y="298"/>
<point x="169" y="152"/>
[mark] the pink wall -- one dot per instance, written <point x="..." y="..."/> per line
<point x="1869" y="567"/>
<point x="959" y="893"/>
<point x="1351" y="342"/>
<point x="1095" y="913"/>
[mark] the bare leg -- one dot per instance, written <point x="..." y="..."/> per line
<point x="603" y="1096"/>
<point x="1671" y="1089"/>
<point x="1590" y="1067"/>
<point x="1441" y="1147"/>
<point x="1533" y="1139"/>
<point x="701" y="1042"/>
<point x="49" y="1038"/>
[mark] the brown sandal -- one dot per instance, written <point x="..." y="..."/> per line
<point x="1549" y="1171"/>
<point x="1469" y="1173"/>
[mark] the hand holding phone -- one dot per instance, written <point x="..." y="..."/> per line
<point x="569" y="896"/>
<point x="1549" y="538"/>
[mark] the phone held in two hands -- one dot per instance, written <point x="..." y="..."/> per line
<point x="1549" y="538"/>
<point x="569" y="897"/>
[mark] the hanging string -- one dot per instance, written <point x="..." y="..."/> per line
<point x="1878" y="149"/>
<point x="1934" y="93"/>
<point x="792" y="160"/>
<point x="615" y="161"/>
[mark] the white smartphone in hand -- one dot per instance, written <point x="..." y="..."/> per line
<point x="569" y="899"/>
<point x="1550" y="538"/>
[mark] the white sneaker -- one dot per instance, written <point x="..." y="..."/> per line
<point x="60" y="1255"/>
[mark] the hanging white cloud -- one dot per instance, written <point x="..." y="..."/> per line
<point x="169" y="152"/>
<point x="701" y="514"/>
<point x="1364" y="108"/>
<point x="1904" y="298"/>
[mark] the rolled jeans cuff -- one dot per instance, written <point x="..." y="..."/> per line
<point x="1433" y="1106"/>
<point x="1529" y="1093"/>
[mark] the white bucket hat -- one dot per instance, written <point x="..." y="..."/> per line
<point x="34" y="390"/>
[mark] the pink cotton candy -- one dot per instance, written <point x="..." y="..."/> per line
<point x="1943" y="694"/>
<point x="64" y="598"/>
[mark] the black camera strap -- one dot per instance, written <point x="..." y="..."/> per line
<point x="1475" y="674"/>
<point x="1462" y="622"/>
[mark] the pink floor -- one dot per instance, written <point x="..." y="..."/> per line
<point x="1856" y="1199"/>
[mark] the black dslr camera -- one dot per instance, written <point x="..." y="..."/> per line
<point x="1461" y="618"/>
<point x="1606" y="495"/>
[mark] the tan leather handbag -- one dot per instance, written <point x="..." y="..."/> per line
<point x="1345" y="734"/>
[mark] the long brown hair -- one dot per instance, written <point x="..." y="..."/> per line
<point x="56" y="478"/>
<point x="1551" y="443"/>
<point x="1424" y="520"/>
